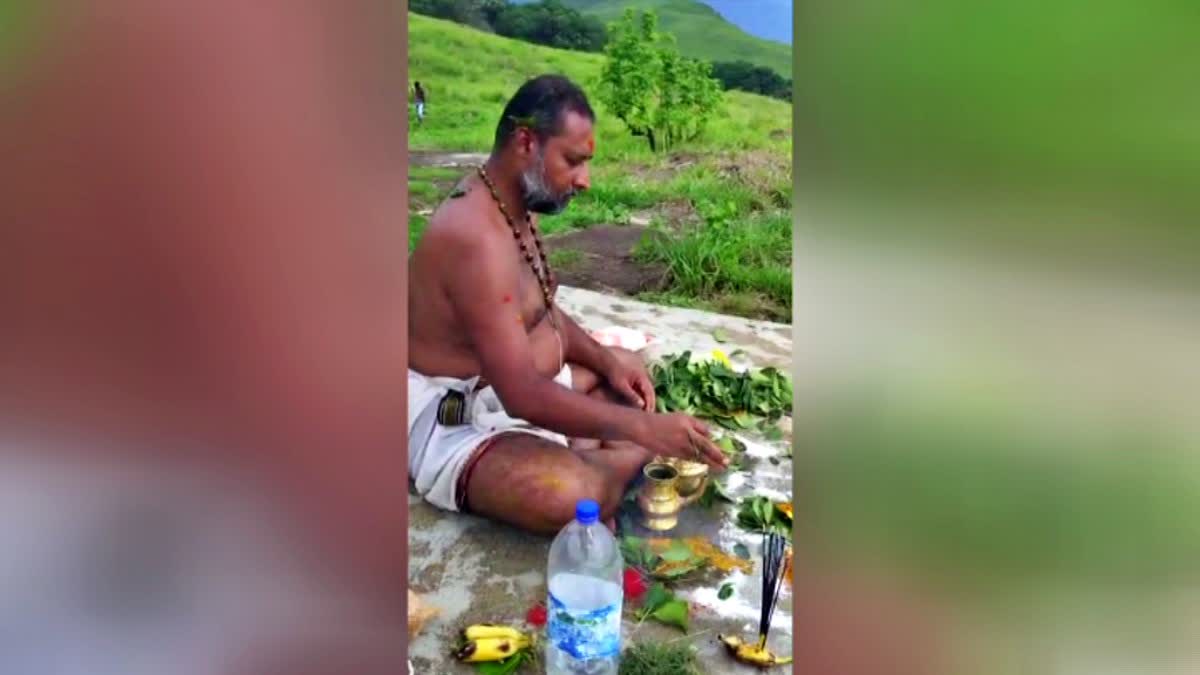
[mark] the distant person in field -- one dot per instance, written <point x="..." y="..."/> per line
<point x="514" y="412"/>
<point x="419" y="95"/>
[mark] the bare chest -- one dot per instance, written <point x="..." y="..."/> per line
<point x="530" y="303"/>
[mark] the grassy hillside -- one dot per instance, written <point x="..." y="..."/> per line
<point x="466" y="95"/>
<point x="700" y="30"/>
<point x="724" y="199"/>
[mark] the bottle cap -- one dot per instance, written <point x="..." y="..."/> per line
<point x="587" y="511"/>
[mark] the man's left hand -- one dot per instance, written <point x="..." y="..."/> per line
<point x="632" y="382"/>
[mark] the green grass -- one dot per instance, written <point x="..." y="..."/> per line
<point x="725" y="255"/>
<point x="659" y="658"/>
<point x="416" y="227"/>
<point x="742" y="163"/>
<point x="701" y="32"/>
<point x="434" y="173"/>
<point x="466" y="95"/>
<point x="564" y="258"/>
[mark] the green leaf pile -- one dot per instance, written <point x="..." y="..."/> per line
<point x="710" y="390"/>
<point x="758" y="514"/>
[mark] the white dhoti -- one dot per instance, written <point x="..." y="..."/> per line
<point x="439" y="454"/>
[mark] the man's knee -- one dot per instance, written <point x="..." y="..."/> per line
<point x="589" y="483"/>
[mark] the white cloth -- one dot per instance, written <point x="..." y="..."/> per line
<point x="437" y="454"/>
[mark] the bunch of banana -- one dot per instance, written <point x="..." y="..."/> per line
<point x="491" y="642"/>
<point x="751" y="653"/>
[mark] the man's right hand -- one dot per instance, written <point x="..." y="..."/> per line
<point x="682" y="436"/>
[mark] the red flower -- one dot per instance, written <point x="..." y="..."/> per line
<point x="536" y="616"/>
<point x="635" y="585"/>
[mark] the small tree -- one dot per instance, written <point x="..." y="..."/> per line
<point x="650" y="87"/>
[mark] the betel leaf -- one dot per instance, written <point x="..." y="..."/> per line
<point x="662" y="605"/>
<point x="720" y="336"/>
<point x="713" y="491"/>
<point x="677" y="552"/>
<point x="673" y="612"/>
<point x="675" y="569"/>
<point x="656" y="597"/>
<point x="636" y="552"/>
<point x="725" y="592"/>
<point x="741" y="551"/>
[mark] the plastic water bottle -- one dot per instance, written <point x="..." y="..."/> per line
<point x="586" y="594"/>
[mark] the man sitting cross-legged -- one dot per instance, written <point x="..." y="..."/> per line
<point x="515" y="413"/>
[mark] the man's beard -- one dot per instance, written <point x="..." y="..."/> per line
<point x="536" y="192"/>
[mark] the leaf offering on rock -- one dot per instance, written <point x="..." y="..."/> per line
<point x="725" y="592"/>
<point x="712" y="390"/>
<point x="660" y="558"/>
<point x="760" y="514"/>
<point x="673" y="612"/>
<point x="701" y="551"/>
<point x="662" y="606"/>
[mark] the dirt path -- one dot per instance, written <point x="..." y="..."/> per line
<point x="600" y="258"/>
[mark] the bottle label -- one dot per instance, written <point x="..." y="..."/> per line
<point x="594" y="634"/>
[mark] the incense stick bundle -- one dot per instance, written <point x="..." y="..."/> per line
<point x="774" y="547"/>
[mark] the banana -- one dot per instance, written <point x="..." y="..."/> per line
<point x="489" y="630"/>
<point x="752" y="654"/>
<point x="490" y="649"/>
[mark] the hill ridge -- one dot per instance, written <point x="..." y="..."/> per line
<point x="701" y="31"/>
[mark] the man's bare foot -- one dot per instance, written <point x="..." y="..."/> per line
<point x="585" y="443"/>
<point x="621" y="458"/>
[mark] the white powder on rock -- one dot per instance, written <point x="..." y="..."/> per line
<point x="773" y="495"/>
<point x="758" y="450"/>
<point x="743" y="605"/>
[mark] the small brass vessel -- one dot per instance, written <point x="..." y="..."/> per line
<point x="658" y="500"/>
<point x="693" y="477"/>
<point x="671" y="484"/>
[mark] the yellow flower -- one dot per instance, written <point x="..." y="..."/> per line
<point x="720" y="357"/>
